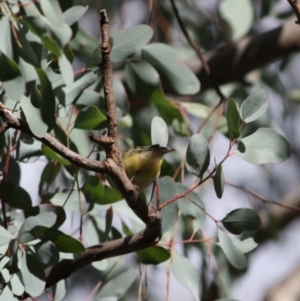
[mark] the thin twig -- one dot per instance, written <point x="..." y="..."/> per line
<point x="198" y="51"/>
<point x="261" y="198"/>
<point x="4" y="182"/>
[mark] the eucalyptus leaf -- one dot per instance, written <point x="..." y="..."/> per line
<point x="126" y="42"/>
<point x="175" y="75"/>
<point x="240" y="220"/>
<point x="153" y="255"/>
<point x="186" y="273"/>
<point x="264" y="146"/>
<point x="233" y="254"/>
<point x="218" y="179"/>
<point x="233" y="119"/>
<point x="197" y="155"/>
<point x="254" y="106"/>
<point x="159" y="132"/>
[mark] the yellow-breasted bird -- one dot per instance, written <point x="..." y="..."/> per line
<point x="142" y="164"/>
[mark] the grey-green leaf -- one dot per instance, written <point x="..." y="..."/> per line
<point x="127" y="42"/>
<point x="254" y="106"/>
<point x="159" y="131"/>
<point x="186" y="273"/>
<point x="119" y="285"/>
<point x="264" y="146"/>
<point x="141" y="78"/>
<point x="33" y="276"/>
<point x="33" y="117"/>
<point x="167" y="189"/>
<point x="219" y="181"/>
<point x="175" y="75"/>
<point x="240" y="220"/>
<point x="233" y="254"/>
<point x="233" y="119"/>
<point x="197" y="155"/>
<point x="5" y="236"/>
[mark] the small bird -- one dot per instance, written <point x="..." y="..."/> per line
<point x="142" y="164"/>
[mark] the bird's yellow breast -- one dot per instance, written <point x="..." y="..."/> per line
<point x="142" y="168"/>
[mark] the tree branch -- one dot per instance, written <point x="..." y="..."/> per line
<point x="143" y="239"/>
<point x="296" y="8"/>
<point x="232" y="63"/>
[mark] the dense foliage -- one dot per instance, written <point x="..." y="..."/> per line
<point x="48" y="111"/>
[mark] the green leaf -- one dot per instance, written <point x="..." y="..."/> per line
<point x="191" y="206"/>
<point x="96" y="231"/>
<point x="6" y="294"/>
<point x="47" y="185"/>
<point x="246" y="245"/>
<point x="33" y="117"/>
<point x="181" y="128"/>
<point x="11" y="77"/>
<point x="110" y="196"/>
<point x="63" y="242"/>
<point x="52" y="11"/>
<point x="73" y="14"/>
<point x="80" y="139"/>
<point x="66" y="70"/>
<point x="141" y="78"/>
<point x="89" y="98"/>
<point x="16" y="196"/>
<point x="88" y="118"/>
<point x="153" y="255"/>
<point x="70" y="201"/>
<point x="59" y="289"/>
<point x="159" y="132"/>
<point x="33" y="275"/>
<point x="127" y="42"/>
<point x="197" y="155"/>
<point x="239" y="16"/>
<point x="264" y="146"/>
<point x="240" y="220"/>
<point x="84" y="42"/>
<point x="5" y="236"/>
<point x="120" y="95"/>
<point x="167" y="110"/>
<point x="93" y="189"/>
<point x="94" y="59"/>
<point x="46" y="219"/>
<point x="233" y="254"/>
<point x="54" y="156"/>
<point x="5" y="37"/>
<point x="36" y="210"/>
<point x="119" y="285"/>
<point x="254" y="106"/>
<point x="68" y="95"/>
<point x="36" y="25"/>
<point x="186" y="273"/>
<point x="60" y="34"/>
<point x="48" y="104"/>
<point x="175" y="75"/>
<point x="16" y="285"/>
<point x="167" y="189"/>
<point x="233" y="119"/>
<point x="219" y="181"/>
<point x="46" y="253"/>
